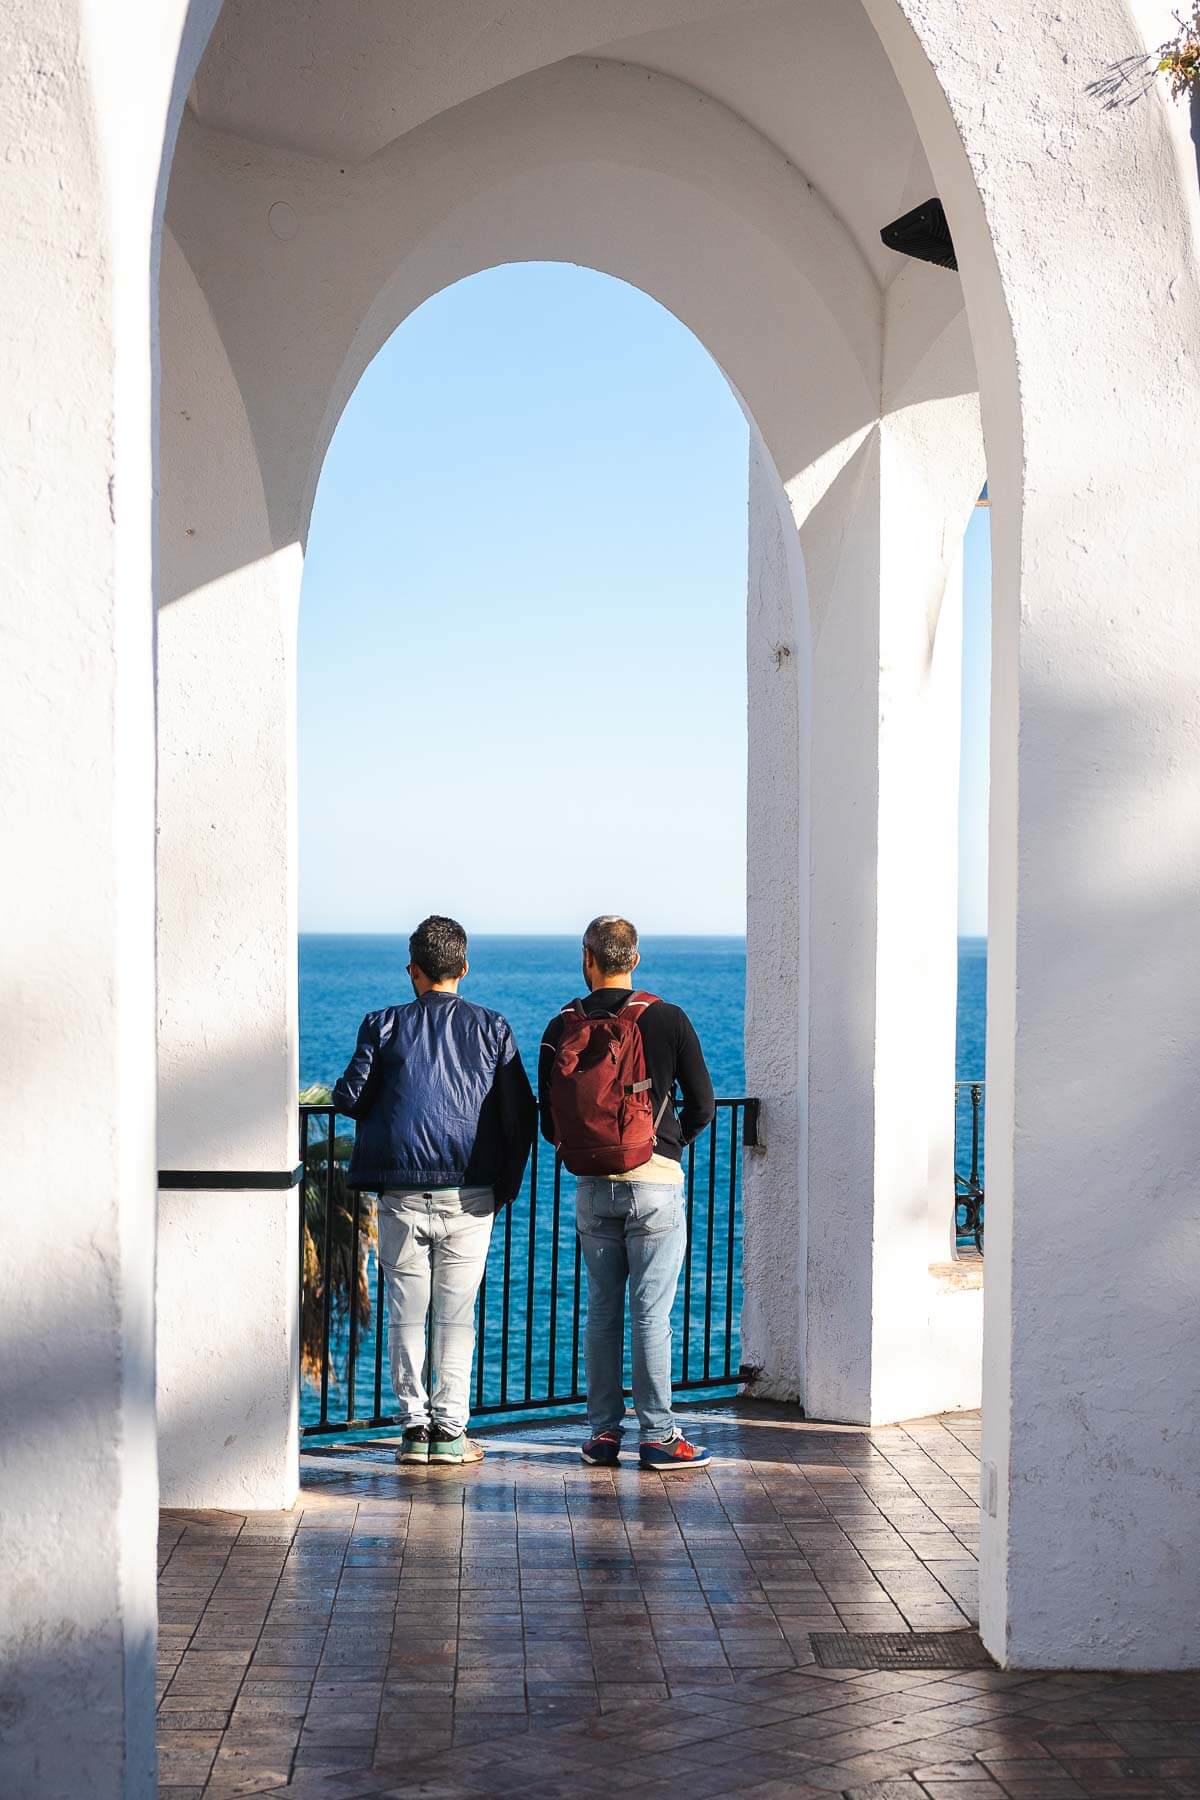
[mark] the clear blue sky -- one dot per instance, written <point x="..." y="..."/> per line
<point x="522" y="626"/>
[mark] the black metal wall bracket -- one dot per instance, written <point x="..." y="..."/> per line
<point x="923" y="233"/>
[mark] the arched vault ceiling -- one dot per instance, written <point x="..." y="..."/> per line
<point x="811" y="76"/>
<point x="341" y="79"/>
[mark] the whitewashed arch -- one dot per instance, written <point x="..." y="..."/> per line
<point x="1077" y="234"/>
<point x="242" y="449"/>
<point x="1118" y="256"/>
<point x="589" y="161"/>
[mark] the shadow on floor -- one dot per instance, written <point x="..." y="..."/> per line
<point x="530" y="1626"/>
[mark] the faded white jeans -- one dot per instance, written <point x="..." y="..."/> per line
<point x="433" y="1244"/>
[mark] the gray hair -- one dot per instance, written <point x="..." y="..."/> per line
<point x="613" y="942"/>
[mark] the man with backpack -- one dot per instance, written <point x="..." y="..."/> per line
<point x="444" y="1119"/>
<point x="607" y="1074"/>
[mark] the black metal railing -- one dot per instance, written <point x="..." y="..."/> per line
<point x="529" y="1348"/>
<point x="968" y="1186"/>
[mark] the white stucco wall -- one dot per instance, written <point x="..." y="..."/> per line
<point x="228" y="1065"/>
<point x="839" y="535"/>
<point x="882" y="548"/>
<point x="227" y="1298"/>
<point x="84" y="111"/>
<point x="931" y="470"/>
<point x="1091" y="1390"/>
<point x="940" y="975"/>
<point x="775" y="1176"/>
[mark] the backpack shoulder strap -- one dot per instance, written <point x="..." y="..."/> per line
<point x="639" y="999"/>
<point x="572" y="1010"/>
<point x="653" y="1000"/>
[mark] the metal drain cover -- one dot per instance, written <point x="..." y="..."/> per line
<point x="899" y="1650"/>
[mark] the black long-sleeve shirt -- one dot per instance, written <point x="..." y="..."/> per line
<point x="673" y="1059"/>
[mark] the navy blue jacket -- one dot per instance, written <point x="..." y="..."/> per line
<point x="440" y="1099"/>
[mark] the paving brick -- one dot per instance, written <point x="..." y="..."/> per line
<point x="534" y="1628"/>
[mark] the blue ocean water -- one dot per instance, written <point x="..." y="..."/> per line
<point x="529" y="978"/>
<point x="972" y="1008"/>
<point x="525" y="978"/>
<point x="532" y="1316"/>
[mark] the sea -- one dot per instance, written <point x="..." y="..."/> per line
<point x="529" y="978"/>
<point x="529" y="1328"/>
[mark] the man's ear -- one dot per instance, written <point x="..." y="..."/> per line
<point x="637" y="957"/>
<point x="466" y="970"/>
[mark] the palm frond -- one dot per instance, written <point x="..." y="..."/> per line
<point x="334" y="1271"/>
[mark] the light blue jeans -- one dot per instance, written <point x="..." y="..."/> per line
<point x="633" y="1234"/>
<point x="433" y="1244"/>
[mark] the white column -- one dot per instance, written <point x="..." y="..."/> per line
<point x="83" y="114"/>
<point x="1091" y="391"/>
<point x="1092" y="1342"/>
<point x="228" y="1259"/>
<point x="775" y="1176"/>
<point x="941" y="905"/>
<point x="1092" y="1347"/>
<point x="926" y="1325"/>
<point x="840" y="544"/>
<point x="887" y="1336"/>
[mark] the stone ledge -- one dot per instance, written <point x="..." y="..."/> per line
<point x="963" y="1276"/>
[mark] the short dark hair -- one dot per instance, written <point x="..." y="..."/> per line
<point x="613" y="943"/>
<point x="439" y="948"/>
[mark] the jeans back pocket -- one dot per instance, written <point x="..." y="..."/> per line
<point x="657" y="1205"/>
<point x="599" y="1204"/>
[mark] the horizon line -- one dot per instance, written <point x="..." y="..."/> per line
<point x="348" y="931"/>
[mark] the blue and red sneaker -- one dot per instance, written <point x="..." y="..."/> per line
<point x="674" y="1453"/>
<point x="603" y="1451"/>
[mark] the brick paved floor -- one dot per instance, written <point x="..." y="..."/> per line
<point x="534" y="1628"/>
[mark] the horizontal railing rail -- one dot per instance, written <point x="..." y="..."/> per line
<point x="968" y="1186"/>
<point x="529" y="1349"/>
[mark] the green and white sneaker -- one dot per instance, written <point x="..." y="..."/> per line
<point x="415" y="1448"/>
<point x="443" y="1448"/>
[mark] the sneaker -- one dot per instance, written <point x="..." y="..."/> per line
<point x="415" y="1448"/>
<point x="443" y="1448"/>
<point x="602" y="1451"/>
<point x="675" y="1453"/>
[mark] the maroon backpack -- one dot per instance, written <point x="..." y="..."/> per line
<point x="600" y="1103"/>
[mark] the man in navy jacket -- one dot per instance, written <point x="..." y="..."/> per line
<point x="445" y="1117"/>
